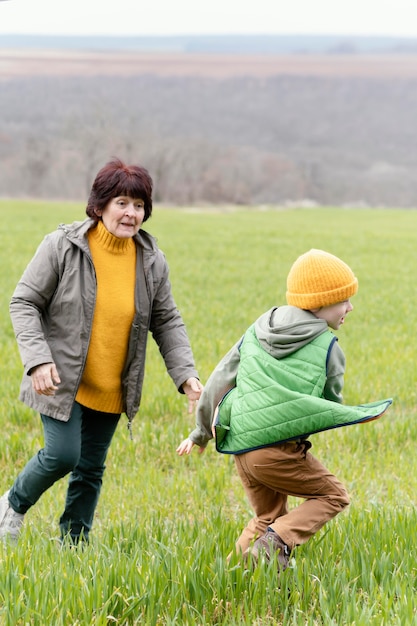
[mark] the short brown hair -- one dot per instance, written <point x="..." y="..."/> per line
<point x="118" y="179"/>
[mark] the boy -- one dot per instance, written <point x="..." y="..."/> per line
<point x="280" y="383"/>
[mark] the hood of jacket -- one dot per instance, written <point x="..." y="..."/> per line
<point x="285" y="329"/>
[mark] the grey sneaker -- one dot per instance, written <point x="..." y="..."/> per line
<point x="267" y="545"/>
<point x="10" y="521"/>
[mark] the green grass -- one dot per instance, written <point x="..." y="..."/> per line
<point x="165" y="524"/>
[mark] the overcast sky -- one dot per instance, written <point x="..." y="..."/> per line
<point x="163" y="17"/>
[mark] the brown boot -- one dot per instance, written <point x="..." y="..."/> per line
<point x="267" y="545"/>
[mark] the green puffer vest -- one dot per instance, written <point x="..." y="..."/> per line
<point x="279" y="400"/>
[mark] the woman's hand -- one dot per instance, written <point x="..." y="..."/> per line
<point x="193" y="388"/>
<point x="45" y="379"/>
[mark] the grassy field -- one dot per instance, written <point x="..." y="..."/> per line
<point x="165" y="524"/>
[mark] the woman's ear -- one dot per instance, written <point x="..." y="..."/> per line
<point x="98" y="212"/>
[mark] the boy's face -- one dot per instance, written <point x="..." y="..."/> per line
<point x="334" y="314"/>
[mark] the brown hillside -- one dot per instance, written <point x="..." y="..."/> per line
<point x="14" y="63"/>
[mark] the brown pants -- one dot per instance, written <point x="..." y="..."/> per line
<point x="270" y="475"/>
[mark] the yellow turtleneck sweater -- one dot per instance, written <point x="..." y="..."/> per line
<point x="115" y="264"/>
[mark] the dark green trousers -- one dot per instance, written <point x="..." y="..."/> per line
<point x="78" y="447"/>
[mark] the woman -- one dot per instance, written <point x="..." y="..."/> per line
<point x="81" y="314"/>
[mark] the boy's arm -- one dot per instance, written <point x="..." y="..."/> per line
<point x="221" y="380"/>
<point x="335" y="374"/>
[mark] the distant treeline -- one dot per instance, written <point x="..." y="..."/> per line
<point x="244" y="140"/>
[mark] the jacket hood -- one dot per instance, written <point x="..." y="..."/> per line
<point x="284" y="330"/>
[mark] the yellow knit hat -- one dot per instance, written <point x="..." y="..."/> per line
<point x="317" y="279"/>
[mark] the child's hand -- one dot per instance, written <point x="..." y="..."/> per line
<point x="186" y="446"/>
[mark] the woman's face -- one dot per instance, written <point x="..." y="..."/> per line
<point x="123" y="216"/>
